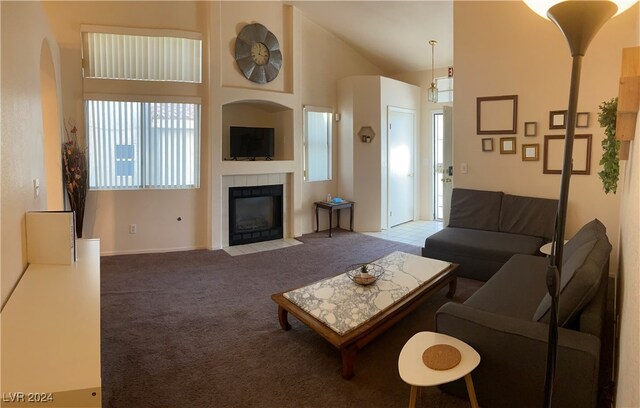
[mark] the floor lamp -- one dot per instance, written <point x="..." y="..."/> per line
<point x="579" y="21"/>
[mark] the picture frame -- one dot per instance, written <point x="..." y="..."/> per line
<point x="530" y="129"/>
<point x="487" y="144"/>
<point x="554" y="154"/>
<point x="507" y="145"/>
<point x="558" y="119"/>
<point x="497" y="115"/>
<point x="530" y="152"/>
<point x="582" y="120"/>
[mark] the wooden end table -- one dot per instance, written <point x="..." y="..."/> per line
<point x="414" y="372"/>
<point x="330" y="206"/>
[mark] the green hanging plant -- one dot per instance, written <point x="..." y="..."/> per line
<point x="610" y="161"/>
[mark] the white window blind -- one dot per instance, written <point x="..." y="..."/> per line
<point x="134" y="145"/>
<point x="318" y="123"/>
<point x="140" y="57"/>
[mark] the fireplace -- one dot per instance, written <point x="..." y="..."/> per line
<point x="255" y="214"/>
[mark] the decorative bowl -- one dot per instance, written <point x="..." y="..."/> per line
<point x="364" y="273"/>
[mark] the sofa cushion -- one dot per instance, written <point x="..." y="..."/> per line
<point x="528" y="216"/>
<point x="515" y="290"/>
<point x="589" y="232"/>
<point x="582" y="270"/>
<point x="475" y="209"/>
<point x="482" y="244"/>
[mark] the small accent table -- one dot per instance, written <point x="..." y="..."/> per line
<point x="332" y="206"/>
<point x="546" y="248"/>
<point x="414" y="372"/>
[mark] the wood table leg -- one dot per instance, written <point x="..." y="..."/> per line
<point x="453" y="285"/>
<point x="348" y="361"/>
<point x="413" y="396"/>
<point x="330" y="220"/>
<point x="338" y="223"/>
<point x="282" y="318"/>
<point x="351" y="218"/>
<point x="317" y="221"/>
<point x="471" y="391"/>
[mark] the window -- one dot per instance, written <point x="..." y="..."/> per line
<point x="150" y="142"/>
<point x="317" y="139"/>
<point x="135" y="145"/>
<point x="148" y="57"/>
<point x="445" y="89"/>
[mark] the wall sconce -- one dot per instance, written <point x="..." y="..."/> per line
<point x="366" y="134"/>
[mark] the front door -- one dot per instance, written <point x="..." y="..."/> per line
<point x="401" y="141"/>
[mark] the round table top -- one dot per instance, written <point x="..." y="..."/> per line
<point x="413" y="371"/>
<point x="546" y="248"/>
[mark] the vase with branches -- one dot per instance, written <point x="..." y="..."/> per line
<point x="74" y="167"/>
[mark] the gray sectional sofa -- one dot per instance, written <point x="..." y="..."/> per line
<point x="506" y="322"/>
<point x="486" y="228"/>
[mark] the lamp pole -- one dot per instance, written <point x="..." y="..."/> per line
<point x="579" y="21"/>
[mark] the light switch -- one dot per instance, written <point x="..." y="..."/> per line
<point x="463" y="168"/>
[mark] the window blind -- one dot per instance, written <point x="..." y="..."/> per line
<point x="134" y="145"/>
<point x="318" y="149"/>
<point x="138" y="57"/>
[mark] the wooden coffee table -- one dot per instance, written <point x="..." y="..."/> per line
<point x="353" y="340"/>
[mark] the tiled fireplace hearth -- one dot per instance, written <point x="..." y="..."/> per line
<point x="265" y="201"/>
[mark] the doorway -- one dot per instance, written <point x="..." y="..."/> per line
<point x="442" y="163"/>
<point x="400" y="172"/>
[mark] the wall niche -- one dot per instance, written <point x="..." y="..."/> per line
<point x="259" y="114"/>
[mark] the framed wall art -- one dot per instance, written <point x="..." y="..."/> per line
<point x="558" y="119"/>
<point x="487" y="144"/>
<point x="507" y="145"/>
<point x="530" y="152"/>
<point x="554" y="154"/>
<point x="497" y="115"/>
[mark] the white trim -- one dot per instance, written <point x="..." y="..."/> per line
<point x="155" y="250"/>
<point x="148" y="32"/>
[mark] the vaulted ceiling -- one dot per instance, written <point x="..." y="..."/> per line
<point x="392" y="34"/>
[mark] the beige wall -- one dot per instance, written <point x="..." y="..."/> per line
<point x="628" y="282"/>
<point x="503" y="48"/>
<point x="24" y="32"/>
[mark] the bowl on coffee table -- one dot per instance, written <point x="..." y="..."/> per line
<point x="364" y="273"/>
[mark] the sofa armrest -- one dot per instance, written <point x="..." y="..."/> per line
<point x="513" y="359"/>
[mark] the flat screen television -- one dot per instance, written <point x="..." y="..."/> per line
<point x="251" y="142"/>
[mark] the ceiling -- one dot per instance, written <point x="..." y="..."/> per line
<point x="394" y="35"/>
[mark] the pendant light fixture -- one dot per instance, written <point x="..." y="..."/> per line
<point x="432" y="93"/>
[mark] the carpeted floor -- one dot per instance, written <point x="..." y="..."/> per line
<point x="199" y="329"/>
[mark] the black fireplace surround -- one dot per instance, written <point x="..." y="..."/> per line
<point x="255" y="214"/>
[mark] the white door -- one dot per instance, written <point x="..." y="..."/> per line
<point x="447" y="175"/>
<point x="401" y="165"/>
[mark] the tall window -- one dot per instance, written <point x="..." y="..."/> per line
<point x="142" y="142"/>
<point x="135" y="145"/>
<point x="445" y="89"/>
<point x="438" y="162"/>
<point x="317" y="139"/>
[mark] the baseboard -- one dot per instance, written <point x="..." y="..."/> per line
<point x="151" y="251"/>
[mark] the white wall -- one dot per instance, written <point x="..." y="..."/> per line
<point x="503" y="48"/>
<point x="363" y="101"/>
<point x="24" y="31"/>
<point x="628" y="387"/>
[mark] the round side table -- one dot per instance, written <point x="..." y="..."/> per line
<point x="546" y="248"/>
<point x="415" y="373"/>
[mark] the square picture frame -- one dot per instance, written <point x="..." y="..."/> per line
<point x="582" y="120"/>
<point x="531" y="129"/>
<point x="497" y="115"/>
<point x="554" y="154"/>
<point x="507" y="145"/>
<point x="487" y="144"/>
<point x="558" y="119"/>
<point x="530" y="152"/>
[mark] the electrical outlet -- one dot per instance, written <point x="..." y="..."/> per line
<point x="133" y="229"/>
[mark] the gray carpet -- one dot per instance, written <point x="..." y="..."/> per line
<point x="199" y="329"/>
